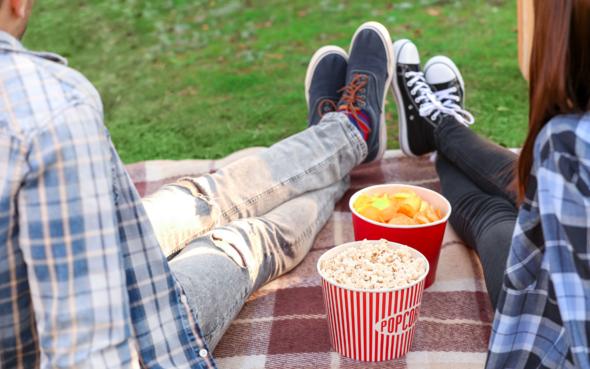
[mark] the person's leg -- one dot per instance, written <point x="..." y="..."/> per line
<point x="313" y="159"/>
<point x="432" y="117"/>
<point x="485" y="221"/>
<point x="475" y="173"/>
<point x="250" y="187"/>
<point x="490" y="166"/>
<point x="221" y="269"/>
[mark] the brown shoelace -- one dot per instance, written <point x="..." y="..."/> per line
<point x="350" y="98"/>
<point x="335" y="108"/>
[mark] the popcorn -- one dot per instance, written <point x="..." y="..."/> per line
<point x="374" y="267"/>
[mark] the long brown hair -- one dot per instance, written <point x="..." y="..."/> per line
<point x="559" y="71"/>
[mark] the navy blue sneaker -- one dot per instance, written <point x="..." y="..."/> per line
<point x="370" y="71"/>
<point x="325" y="78"/>
<point x="420" y="109"/>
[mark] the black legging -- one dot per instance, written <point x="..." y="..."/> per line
<point x="475" y="174"/>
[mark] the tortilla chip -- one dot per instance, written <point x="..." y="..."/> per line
<point x="401" y="219"/>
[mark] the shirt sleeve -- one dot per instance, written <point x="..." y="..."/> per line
<point x="69" y="236"/>
<point x="564" y="204"/>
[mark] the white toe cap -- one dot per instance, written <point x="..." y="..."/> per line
<point x="439" y="73"/>
<point x="406" y="52"/>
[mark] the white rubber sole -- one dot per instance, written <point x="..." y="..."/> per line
<point x="448" y="62"/>
<point x="401" y="111"/>
<point x="316" y="58"/>
<point x="386" y="38"/>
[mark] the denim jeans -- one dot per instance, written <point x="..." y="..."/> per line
<point x="254" y="220"/>
<point x="476" y="177"/>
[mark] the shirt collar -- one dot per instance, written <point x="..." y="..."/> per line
<point x="11" y="44"/>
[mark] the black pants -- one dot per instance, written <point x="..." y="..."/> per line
<point x="475" y="175"/>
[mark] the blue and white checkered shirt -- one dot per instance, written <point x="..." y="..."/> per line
<point x="543" y="314"/>
<point x="83" y="281"/>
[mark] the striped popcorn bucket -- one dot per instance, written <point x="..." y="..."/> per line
<point x="372" y="325"/>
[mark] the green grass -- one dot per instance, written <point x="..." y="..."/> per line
<point x="201" y="79"/>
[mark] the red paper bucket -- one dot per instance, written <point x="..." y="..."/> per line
<point x="426" y="238"/>
<point x="372" y="325"/>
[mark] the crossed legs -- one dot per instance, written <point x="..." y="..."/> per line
<point x="476" y="176"/>
<point x="254" y="220"/>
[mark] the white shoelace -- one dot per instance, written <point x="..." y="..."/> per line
<point x="436" y="103"/>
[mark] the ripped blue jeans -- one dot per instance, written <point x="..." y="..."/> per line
<point x="253" y="220"/>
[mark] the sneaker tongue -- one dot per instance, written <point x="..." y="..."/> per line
<point x="442" y="86"/>
<point x="410" y="67"/>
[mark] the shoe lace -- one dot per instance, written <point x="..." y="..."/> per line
<point x="333" y="106"/>
<point x="436" y="103"/>
<point x="350" y="98"/>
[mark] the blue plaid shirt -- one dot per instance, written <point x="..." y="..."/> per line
<point x="543" y="314"/>
<point x="83" y="281"/>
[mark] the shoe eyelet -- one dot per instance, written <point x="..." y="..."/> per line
<point x="411" y="117"/>
<point x="363" y="103"/>
<point x="408" y="84"/>
<point x="410" y="107"/>
<point x="363" y="90"/>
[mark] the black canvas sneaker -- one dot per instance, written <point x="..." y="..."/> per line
<point x="326" y="76"/>
<point x="410" y="91"/>
<point x="419" y="107"/>
<point x="369" y="74"/>
<point x="445" y="80"/>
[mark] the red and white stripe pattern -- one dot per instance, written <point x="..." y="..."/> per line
<point x="372" y="326"/>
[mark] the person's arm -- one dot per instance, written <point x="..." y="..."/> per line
<point x="69" y="236"/>
<point x="563" y="178"/>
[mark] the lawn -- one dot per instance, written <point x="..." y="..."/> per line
<point x="186" y="79"/>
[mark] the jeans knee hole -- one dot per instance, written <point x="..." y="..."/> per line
<point x="188" y="186"/>
<point x="230" y="250"/>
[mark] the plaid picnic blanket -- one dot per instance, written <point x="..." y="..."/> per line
<point x="283" y="325"/>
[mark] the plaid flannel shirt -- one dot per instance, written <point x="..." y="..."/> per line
<point x="83" y="281"/>
<point x="543" y="314"/>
